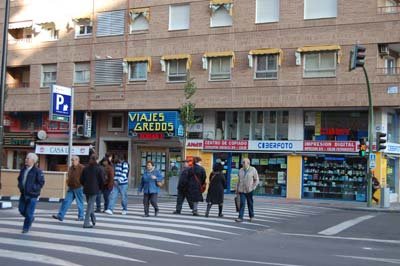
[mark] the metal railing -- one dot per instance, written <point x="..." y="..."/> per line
<point x="388" y="9"/>
<point x="391" y="71"/>
<point x="22" y="40"/>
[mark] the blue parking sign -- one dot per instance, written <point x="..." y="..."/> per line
<point x="60" y="103"/>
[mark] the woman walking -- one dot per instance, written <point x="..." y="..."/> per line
<point x="216" y="188"/>
<point x="150" y="185"/>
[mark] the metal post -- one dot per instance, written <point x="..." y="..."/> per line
<point x="71" y="124"/>
<point x="3" y="78"/>
<point x="370" y="140"/>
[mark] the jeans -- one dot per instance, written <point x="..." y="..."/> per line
<point x="179" y="201"/>
<point x="250" y="205"/>
<point x="119" y="189"/>
<point x="26" y="208"/>
<point x="72" y="194"/>
<point x="150" y="198"/>
<point x="89" y="210"/>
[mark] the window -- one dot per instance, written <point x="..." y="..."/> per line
<point x="82" y="72"/>
<point x="390" y="65"/>
<point x="48" y="32"/>
<point x="49" y="75"/>
<point x="220" y="68"/>
<point x="221" y="16"/>
<point x="108" y="72"/>
<point x="137" y="71"/>
<point x="388" y="6"/>
<point x="321" y="64"/>
<point x="116" y="122"/>
<point x="139" y="23"/>
<point x="110" y="23"/>
<point x="315" y="9"/>
<point x="83" y="27"/>
<point x="266" y="67"/>
<point x="179" y="17"/>
<point x="177" y="70"/>
<point x="267" y="11"/>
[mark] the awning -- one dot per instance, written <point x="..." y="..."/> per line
<point x="20" y="25"/>
<point x="135" y="12"/>
<point x="140" y="59"/>
<point x="220" y="2"/>
<point x="178" y="57"/>
<point x="85" y="16"/>
<point x="227" y="4"/>
<point x="218" y="54"/>
<point x="321" y="48"/>
<point x="65" y="141"/>
<point x="267" y="51"/>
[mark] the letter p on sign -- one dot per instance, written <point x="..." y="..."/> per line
<point x="59" y="101"/>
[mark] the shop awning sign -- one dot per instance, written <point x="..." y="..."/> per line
<point x="61" y="150"/>
<point x="234" y="145"/>
<point x="276" y="145"/>
<point x="330" y="146"/>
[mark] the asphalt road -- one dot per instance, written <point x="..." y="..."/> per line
<point x="282" y="234"/>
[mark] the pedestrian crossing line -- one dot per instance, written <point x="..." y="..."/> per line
<point x="86" y="239"/>
<point x="112" y="233"/>
<point x="65" y="248"/>
<point x="33" y="257"/>
<point x="128" y="220"/>
<point x="131" y="227"/>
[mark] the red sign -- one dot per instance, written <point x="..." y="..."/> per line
<point x="331" y="146"/>
<point x="335" y="131"/>
<point x="150" y="135"/>
<point x="236" y="145"/>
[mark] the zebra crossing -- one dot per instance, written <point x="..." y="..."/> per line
<point x="131" y="239"/>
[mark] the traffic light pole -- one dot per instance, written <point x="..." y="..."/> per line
<point x="370" y="139"/>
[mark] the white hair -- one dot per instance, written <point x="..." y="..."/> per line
<point x="32" y="156"/>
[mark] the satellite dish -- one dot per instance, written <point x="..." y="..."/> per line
<point x="42" y="134"/>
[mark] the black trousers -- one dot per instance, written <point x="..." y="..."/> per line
<point x="151" y="198"/>
<point x="180" y="199"/>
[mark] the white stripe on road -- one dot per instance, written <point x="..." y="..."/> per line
<point x="388" y="241"/>
<point x="242" y="261"/>
<point x="393" y="261"/>
<point x="85" y="239"/>
<point x="345" y="225"/>
<point x="61" y="247"/>
<point x="102" y="232"/>
<point x="33" y="257"/>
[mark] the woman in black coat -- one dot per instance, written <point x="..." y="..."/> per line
<point x="196" y="178"/>
<point x="216" y="188"/>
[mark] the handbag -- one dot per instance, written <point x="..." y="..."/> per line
<point x="202" y="186"/>
<point x="237" y="203"/>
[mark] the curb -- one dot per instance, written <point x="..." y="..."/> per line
<point x="366" y="209"/>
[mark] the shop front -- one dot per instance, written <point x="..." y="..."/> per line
<point x="392" y="170"/>
<point x="16" y="146"/>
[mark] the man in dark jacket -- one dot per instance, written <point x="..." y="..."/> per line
<point x="92" y="180"/>
<point x="196" y="179"/>
<point x="30" y="183"/>
<point x="183" y="188"/>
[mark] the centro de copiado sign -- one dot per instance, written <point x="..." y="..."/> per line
<point x="154" y="124"/>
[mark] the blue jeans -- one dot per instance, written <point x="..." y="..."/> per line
<point x="72" y="194"/>
<point x="26" y="208"/>
<point x="250" y="205"/>
<point x="119" y="189"/>
<point x="106" y="196"/>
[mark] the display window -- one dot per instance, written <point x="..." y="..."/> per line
<point x="391" y="174"/>
<point x="334" y="177"/>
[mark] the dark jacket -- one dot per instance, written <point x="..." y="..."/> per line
<point x="92" y="179"/>
<point x="193" y="185"/>
<point x="33" y="184"/>
<point x="216" y="188"/>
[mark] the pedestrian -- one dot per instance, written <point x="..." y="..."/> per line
<point x="121" y="173"/>
<point x="150" y="184"/>
<point x="215" y="194"/>
<point x="30" y="183"/>
<point x="92" y="181"/>
<point x="248" y="181"/>
<point x="182" y="188"/>
<point x="196" y="181"/>
<point x="375" y="187"/>
<point x="74" y="192"/>
<point x="105" y="192"/>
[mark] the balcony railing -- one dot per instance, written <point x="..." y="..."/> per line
<point x="388" y="9"/>
<point x="23" y="40"/>
<point x="17" y="85"/>
<point x="392" y="71"/>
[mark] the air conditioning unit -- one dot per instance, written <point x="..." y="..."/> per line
<point x="383" y="49"/>
<point x="79" y="130"/>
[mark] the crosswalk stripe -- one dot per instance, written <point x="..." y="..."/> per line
<point x="33" y="257"/>
<point x="86" y="239"/>
<point x="66" y="248"/>
<point x="98" y="231"/>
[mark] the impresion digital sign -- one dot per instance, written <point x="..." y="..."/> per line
<point x="154" y="124"/>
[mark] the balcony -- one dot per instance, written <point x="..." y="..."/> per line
<point x="18" y="77"/>
<point x="388" y="7"/>
<point x="17" y="85"/>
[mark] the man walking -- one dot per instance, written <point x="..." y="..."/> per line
<point x="183" y="188"/>
<point x="74" y="192"/>
<point x="121" y="174"/>
<point x="30" y="183"/>
<point x="248" y="181"/>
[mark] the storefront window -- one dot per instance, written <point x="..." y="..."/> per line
<point x="331" y="125"/>
<point x="334" y="177"/>
<point x="391" y="175"/>
<point x="392" y="135"/>
<point x="18" y="159"/>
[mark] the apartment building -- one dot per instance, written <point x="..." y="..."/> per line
<point x="272" y="78"/>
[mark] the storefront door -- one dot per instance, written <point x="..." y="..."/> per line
<point x="157" y="155"/>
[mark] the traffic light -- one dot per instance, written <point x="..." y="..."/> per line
<point x="357" y="57"/>
<point x="380" y="141"/>
<point x="363" y="147"/>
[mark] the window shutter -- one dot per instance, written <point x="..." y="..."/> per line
<point x="267" y="11"/>
<point x="108" y="72"/>
<point x="179" y="17"/>
<point x="111" y="23"/>
<point x="314" y="9"/>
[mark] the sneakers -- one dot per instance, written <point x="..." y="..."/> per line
<point x="123" y="212"/>
<point x="79" y="219"/>
<point x="108" y="212"/>
<point x="239" y="220"/>
<point x="251" y="219"/>
<point x="57" y="217"/>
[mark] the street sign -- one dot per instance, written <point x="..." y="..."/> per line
<point x="60" y="103"/>
<point x="372" y="160"/>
